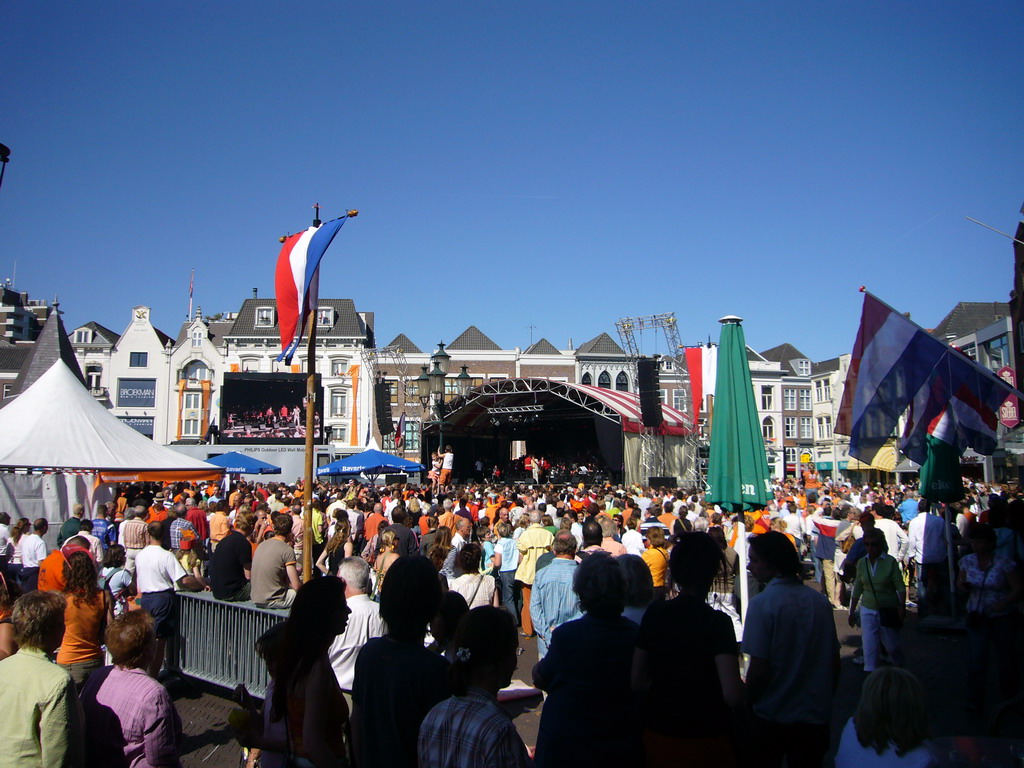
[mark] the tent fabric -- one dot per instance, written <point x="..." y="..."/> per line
<point x="57" y="424"/>
<point x="371" y="462"/>
<point x="236" y="463"/>
<point x="627" y="404"/>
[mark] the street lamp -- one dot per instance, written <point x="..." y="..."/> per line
<point x="440" y="358"/>
<point x="463" y="380"/>
<point x="422" y="385"/>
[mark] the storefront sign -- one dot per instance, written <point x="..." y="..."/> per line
<point x="139" y="424"/>
<point x="136" y="393"/>
<point x="1009" y="411"/>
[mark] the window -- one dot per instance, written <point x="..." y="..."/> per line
<point x="791" y="455"/>
<point x="667" y="364"/>
<point x="679" y="399"/>
<point x="789" y="427"/>
<point x="83" y="336"/>
<point x="393" y="392"/>
<point x="138" y="359"/>
<point x="7" y="390"/>
<point x="803" y="367"/>
<point x="412" y="436"/>
<point x="586" y="379"/>
<point x="93" y="375"/>
<point x="622" y="382"/>
<point x="998" y="352"/>
<point x="767" y="399"/>
<point x="604" y="381"/>
<point x="970" y="350"/>
<point x="264" y="317"/>
<point x="789" y="399"/>
<point x="197" y="337"/>
<point x="196" y="370"/>
<point x="341" y="433"/>
<point x="250" y="366"/>
<point x="325" y="317"/>
<point x="192" y="400"/>
<point x="805" y="399"/>
<point x="190" y="428"/>
<point x="806" y="428"/>
<point x="824" y="427"/>
<point x="822" y="390"/>
<point x="768" y="428"/>
<point x="339" y="403"/>
<point x="339" y="367"/>
<point x="663" y="396"/>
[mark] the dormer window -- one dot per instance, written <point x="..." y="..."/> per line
<point x="83" y="336"/>
<point x="803" y="367"/>
<point x="197" y="337"/>
<point x="264" y="317"/>
<point x="325" y="317"/>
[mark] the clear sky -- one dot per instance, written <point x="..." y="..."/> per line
<point x="556" y="164"/>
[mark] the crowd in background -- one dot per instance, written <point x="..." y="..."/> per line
<point x="395" y="649"/>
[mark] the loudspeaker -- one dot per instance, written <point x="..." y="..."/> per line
<point x="648" y="386"/>
<point x="382" y="406"/>
<point x="662" y="482"/>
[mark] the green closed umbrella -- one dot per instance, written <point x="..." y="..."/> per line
<point x="940" y="473"/>
<point x="738" y="475"/>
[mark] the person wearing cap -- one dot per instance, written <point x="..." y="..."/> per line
<point x="53" y="570"/>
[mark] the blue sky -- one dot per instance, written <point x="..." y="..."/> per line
<point x="559" y="165"/>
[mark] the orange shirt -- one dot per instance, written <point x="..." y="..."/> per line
<point x="83" y="621"/>
<point x="157" y="514"/>
<point x="374" y="520"/>
<point x="51" y="572"/>
<point x="668" y="520"/>
<point x="220" y="527"/>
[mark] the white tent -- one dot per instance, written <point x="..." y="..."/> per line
<point x="57" y="425"/>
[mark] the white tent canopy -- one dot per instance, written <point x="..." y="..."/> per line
<point x="57" y="425"/>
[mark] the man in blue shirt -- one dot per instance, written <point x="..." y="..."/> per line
<point x="553" y="601"/>
<point x="909" y="508"/>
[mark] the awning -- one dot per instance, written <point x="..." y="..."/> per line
<point x="907" y="466"/>
<point x="828" y="465"/>
<point x="884" y="460"/>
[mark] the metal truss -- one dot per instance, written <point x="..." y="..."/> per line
<point x="516" y="409"/>
<point x="531" y="386"/>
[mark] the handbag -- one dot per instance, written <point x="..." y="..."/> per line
<point x="887" y="617"/>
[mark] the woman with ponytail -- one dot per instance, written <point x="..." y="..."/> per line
<point x="470" y="729"/>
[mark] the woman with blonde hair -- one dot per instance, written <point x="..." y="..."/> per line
<point x="337" y="549"/>
<point x="656" y="557"/>
<point x="890" y="726"/>
<point x="438" y="552"/>
<point x="386" y="557"/>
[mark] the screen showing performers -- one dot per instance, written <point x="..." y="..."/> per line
<point x="267" y="408"/>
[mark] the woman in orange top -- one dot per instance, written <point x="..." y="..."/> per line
<point x="656" y="557"/>
<point x="88" y="611"/>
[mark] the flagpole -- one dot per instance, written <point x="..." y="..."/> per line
<point x="307" y="523"/>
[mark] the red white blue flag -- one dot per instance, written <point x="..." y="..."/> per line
<point x="400" y="432"/>
<point x="898" y="368"/>
<point x="297" y="281"/>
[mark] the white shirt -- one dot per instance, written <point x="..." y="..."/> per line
<point x="927" y="544"/>
<point x="5" y="540"/>
<point x="156" y="569"/>
<point x="33" y="550"/>
<point x="364" y="622"/>
<point x="448" y="460"/>
<point x="895" y="537"/>
<point x="633" y="541"/>
<point x="95" y="546"/>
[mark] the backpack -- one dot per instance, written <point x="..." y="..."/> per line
<point x="369" y="553"/>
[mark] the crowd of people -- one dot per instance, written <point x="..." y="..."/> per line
<point x="397" y="641"/>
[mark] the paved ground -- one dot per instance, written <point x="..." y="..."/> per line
<point x="938" y="659"/>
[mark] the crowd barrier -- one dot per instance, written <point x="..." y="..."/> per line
<point x="216" y="641"/>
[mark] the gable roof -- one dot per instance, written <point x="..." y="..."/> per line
<point x="52" y="345"/>
<point x="602" y="344"/>
<point x="969" y="316"/>
<point x="825" y="366"/>
<point x="542" y="347"/>
<point x="783" y="354"/>
<point x="755" y="356"/>
<point x="218" y="329"/>
<point x="105" y="335"/>
<point x="473" y="338"/>
<point x="406" y="344"/>
<point x="347" y="322"/>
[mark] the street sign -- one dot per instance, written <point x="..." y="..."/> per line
<point x="1009" y="411"/>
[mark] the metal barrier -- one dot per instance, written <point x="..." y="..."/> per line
<point x="216" y="641"/>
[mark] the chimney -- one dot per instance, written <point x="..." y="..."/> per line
<point x="255" y="293"/>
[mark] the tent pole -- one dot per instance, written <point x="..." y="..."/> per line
<point x="307" y="522"/>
